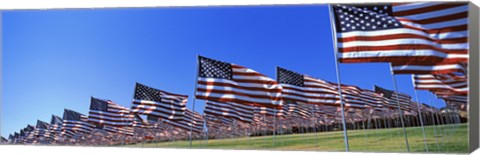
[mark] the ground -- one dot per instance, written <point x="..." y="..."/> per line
<point x="450" y="138"/>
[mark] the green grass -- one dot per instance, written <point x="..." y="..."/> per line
<point x="449" y="139"/>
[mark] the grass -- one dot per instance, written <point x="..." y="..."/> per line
<point x="449" y="139"/>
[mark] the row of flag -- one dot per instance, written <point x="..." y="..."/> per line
<point x="427" y="40"/>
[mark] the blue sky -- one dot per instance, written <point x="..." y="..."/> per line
<point x="56" y="59"/>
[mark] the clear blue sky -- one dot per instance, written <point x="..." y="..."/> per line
<point x="56" y="59"/>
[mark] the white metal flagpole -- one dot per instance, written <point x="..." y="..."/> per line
<point x="399" y="109"/>
<point x="193" y="109"/>
<point x="421" y="118"/>
<point x="334" y="41"/>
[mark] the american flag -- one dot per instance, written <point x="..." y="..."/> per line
<point x="303" y="88"/>
<point x="351" y="97"/>
<point x="454" y="98"/>
<point x="139" y="122"/>
<point x="268" y="111"/>
<point x="75" y="123"/>
<point x="56" y="126"/>
<point x="16" y="137"/>
<point x="126" y="130"/>
<point x="390" y="97"/>
<point x="404" y="34"/>
<point x="151" y="101"/>
<point x="441" y="82"/>
<point x="215" y="121"/>
<point x="42" y="129"/>
<point x="225" y="82"/>
<point x="191" y="119"/>
<point x="240" y="112"/>
<point x="429" y="68"/>
<point x="372" y="100"/>
<point x="298" y="109"/>
<point x="106" y="112"/>
<point x="325" y="110"/>
<point x="22" y="136"/>
<point x="3" y="140"/>
<point x="10" y="138"/>
<point x="39" y="133"/>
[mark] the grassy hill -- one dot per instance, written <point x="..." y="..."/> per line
<point x="450" y="138"/>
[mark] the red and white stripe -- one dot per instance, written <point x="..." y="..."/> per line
<point x="267" y="111"/>
<point x="232" y="110"/>
<point x="120" y="130"/>
<point x="246" y="86"/>
<point x="71" y="127"/>
<point x="441" y="83"/>
<point x="190" y="120"/>
<point x="431" y="32"/>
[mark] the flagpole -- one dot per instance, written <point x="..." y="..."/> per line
<point x="315" y="126"/>
<point x="334" y="41"/>
<point x="421" y="118"/>
<point x="399" y="109"/>
<point x="194" y="97"/>
<point x="274" y="125"/>
<point x="432" y="114"/>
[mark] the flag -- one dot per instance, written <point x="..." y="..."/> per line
<point x="190" y="120"/>
<point x="391" y="98"/>
<point x="10" y="138"/>
<point x="106" y="112"/>
<point x="56" y="126"/>
<point x="372" y="100"/>
<point x="126" y="130"/>
<point x="351" y="97"/>
<point x="42" y="129"/>
<point x="3" y="140"/>
<point x="225" y="82"/>
<point x="441" y="82"/>
<point x="384" y="92"/>
<point x="405" y="34"/>
<point x="218" y="122"/>
<point x="268" y="111"/>
<point x="298" y="109"/>
<point x="303" y="88"/>
<point x="429" y="68"/>
<point x="240" y="112"/>
<point x="140" y="123"/>
<point x="75" y="123"/>
<point x="22" y="136"/>
<point x="29" y="128"/>
<point x="151" y="101"/>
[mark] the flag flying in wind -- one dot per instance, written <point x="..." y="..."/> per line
<point x="75" y="123"/>
<point x="10" y="138"/>
<point x="298" y="109"/>
<point x="236" y="111"/>
<point x="192" y="120"/>
<point x="403" y="34"/>
<point x="139" y="122"/>
<point x="3" y="140"/>
<point x="42" y="129"/>
<point x="127" y="130"/>
<point x="56" y="126"/>
<point x="106" y="112"/>
<point x="351" y="97"/>
<point x="404" y="100"/>
<point x="225" y="82"/>
<point x="441" y="82"/>
<point x="151" y="101"/>
<point x="303" y="88"/>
